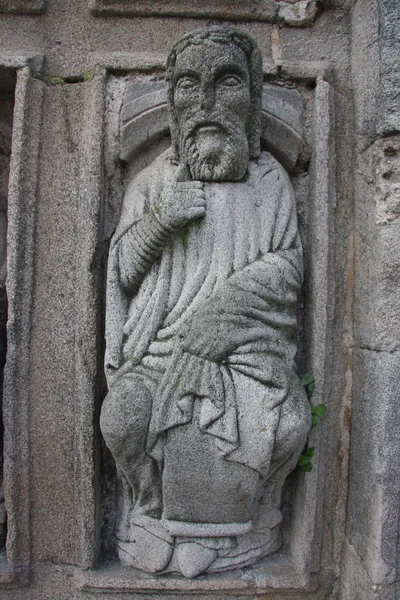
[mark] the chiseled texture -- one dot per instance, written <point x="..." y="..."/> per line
<point x="204" y="272"/>
<point x="54" y="475"/>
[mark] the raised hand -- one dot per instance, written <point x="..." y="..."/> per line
<point x="181" y="201"/>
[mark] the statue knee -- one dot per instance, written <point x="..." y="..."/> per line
<point x="125" y="413"/>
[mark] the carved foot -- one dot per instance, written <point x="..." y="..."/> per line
<point x="193" y="558"/>
<point x="149" y="548"/>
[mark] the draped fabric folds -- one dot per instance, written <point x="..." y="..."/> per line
<point x="214" y="316"/>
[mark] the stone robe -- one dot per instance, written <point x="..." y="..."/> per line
<point x="211" y="327"/>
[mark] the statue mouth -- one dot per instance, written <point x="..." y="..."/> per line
<point x="209" y="128"/>
<point x="209" y="131"/>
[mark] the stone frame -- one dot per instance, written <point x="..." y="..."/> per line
<point x="22" y="192"/>
<point x="294" y="571"/>
<point x="20" y="266"/>
<point x="260" y="10"/>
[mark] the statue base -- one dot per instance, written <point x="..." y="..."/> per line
<point x="152" y="547"/>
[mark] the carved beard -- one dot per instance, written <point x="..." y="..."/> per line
<point x="214" y="149"/>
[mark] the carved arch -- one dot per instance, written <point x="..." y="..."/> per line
<point x="144" y="118"/>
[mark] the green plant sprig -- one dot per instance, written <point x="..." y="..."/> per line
<point x="317" y="412"/>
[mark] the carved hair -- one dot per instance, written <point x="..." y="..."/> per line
<point x="221" y="35"/>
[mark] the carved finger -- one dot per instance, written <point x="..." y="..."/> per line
<point x="196" y="213"/>
<point x="196" y="200"/>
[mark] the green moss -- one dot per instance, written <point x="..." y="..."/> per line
<point x="88" y="75"/>
<point x="158" y="205"/>
<point x="54" y="80"/>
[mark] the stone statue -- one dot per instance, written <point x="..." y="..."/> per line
<point x="205" y="416"/>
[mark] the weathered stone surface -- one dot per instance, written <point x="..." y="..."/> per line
<point x="192" y="456"/>
<point x="75" y="43"/>
<point x="7" y="87"/>
<point x="376" y="68"/>
<point x="23" y="7"/>
<point x="365" y="68"/>
<point x="298" y="13"/>
<point x="65" y="381"/>
<point x="374" y="490"/>
<point x="357" y="585"/>
<point x="52" y="316"/>
<point x="21" y="211"/>
<point x="327" y="41"/>
<point x="225" y="9"/>
<point x="385" y="175"/>
<point x="370" y="558"/>
<point x="377" y="302"/>
<point x="144" y="119"/>
<point x="389" y="85"/>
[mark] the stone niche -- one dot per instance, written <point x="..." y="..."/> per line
<point x="297" y="129"/>
<point x="7" y="91"/>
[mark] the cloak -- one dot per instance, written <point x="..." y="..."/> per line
<point x="214" y="318"/>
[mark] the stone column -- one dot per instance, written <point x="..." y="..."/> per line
<point x="371" y="552"/>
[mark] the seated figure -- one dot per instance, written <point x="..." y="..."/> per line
<point x="205" y="416"/>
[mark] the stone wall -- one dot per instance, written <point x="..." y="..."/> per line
<point x="72" y="62"/>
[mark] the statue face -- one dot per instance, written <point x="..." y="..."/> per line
<point x="212" y="101"/>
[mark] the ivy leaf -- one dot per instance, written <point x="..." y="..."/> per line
<point x="308" y="382"/>
<point x="317" y="412"/>
<point x="314" y="420"/>
<point x="320" y="410"/>
<point x="306" y="379"/>
<point x="303" y="461"/>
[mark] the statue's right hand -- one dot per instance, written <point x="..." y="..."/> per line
<point x="181" y="201"/>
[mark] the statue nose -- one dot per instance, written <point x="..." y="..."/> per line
<point x="207" y="99"/>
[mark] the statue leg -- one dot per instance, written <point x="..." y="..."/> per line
<point x="291" y="436"/>
<point x="124" y="421"/>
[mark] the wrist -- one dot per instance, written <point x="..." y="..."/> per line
<point x="159" y="224"/>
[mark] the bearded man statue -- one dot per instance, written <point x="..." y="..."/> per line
<point x="205" y="415"/>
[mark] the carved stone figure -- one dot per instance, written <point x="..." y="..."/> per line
<point x="205" y="416"/>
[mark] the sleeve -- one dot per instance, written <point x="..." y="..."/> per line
<point x="132" y="250"/>
<point x="138" y="249"/>
<point x="140" y="237"/>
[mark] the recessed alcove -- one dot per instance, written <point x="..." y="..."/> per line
<point x="136" y="133"/>
<point x="7" y="98"/>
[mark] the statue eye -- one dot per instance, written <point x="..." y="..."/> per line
<point x="230" y="81"/>
<point x="186" y="83"/>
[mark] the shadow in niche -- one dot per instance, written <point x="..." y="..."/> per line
<point x="7" y="91"/>
<point x="283" y="136"/>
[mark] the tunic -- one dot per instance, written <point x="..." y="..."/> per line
<point x="214" y="318"/>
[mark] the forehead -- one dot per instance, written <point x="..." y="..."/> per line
<point x="210" y="56"/>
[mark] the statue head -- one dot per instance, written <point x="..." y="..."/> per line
<point x="214" y="94"/>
